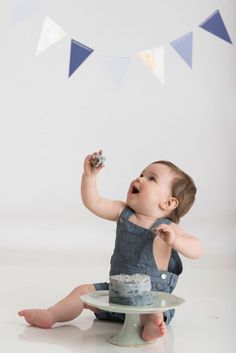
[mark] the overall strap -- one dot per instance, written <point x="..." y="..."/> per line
<point x="126" y="212"/>
<point x="159" y="221"/>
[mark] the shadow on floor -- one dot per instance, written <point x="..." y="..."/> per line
<point x="92" y="339"/>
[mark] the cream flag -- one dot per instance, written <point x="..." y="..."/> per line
<point x="51" y="34"/>
<point x="154" y="59"/>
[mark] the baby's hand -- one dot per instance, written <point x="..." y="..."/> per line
<point x="89" y="166"/>
<point x="166" y="233"/>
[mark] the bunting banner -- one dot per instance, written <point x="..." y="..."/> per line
<point x="116" y="67"/>
<point x="51" y="34"/>
<point x="215" y="25"/>
<point x="184" y="47"/>
<point x="23" y="10"/>
<point x="155" y="61"/>
<point x="78" y="54"/>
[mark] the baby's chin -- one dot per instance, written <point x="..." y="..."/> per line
<point x="130" y="204"/>
<point x="133" y="205"/>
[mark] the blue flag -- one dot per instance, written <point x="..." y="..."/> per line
<point x="184" y="46"/>
<point x="78" y="54"/>
<point x="215" y="25"/>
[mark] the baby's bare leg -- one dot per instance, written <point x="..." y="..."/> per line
<point x="153" y="326"/>
<point x="65" y="310"/>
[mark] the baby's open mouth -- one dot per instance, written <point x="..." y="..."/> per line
<point x="135" y="190"/>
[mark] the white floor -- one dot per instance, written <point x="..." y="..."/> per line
<point x="205" y="323"/>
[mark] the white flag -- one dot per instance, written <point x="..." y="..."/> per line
<point x="23" y="10"/>
<point x="51" y="34"/>
<point x="117" y="67"/>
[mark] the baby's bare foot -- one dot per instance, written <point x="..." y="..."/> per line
<point x="154" y="329"/>
<point x="38" y="317"/>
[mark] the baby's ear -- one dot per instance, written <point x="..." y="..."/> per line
<point x="170" y="204"/>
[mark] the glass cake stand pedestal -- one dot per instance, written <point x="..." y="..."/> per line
<point x="130" y="333"/>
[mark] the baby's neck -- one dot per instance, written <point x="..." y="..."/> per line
<point x="143" y="220"/>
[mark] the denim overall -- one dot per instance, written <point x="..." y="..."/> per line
<point x="133" y="253"/>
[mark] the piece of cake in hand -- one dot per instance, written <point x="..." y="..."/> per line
<point x="98" y="160"/>
<point x="132" y="290"/>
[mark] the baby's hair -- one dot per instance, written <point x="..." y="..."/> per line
<point x="183" y="189"/>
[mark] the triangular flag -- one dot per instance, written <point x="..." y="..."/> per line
<point x="184" y="47"/>
<point x="215" y="25"/>
<point x="23" y="10"/>
<point x="78" y="54"/>
<point x="51" y="34"/>
<point x="154" y="59"/>
<point x="116" y="67"/>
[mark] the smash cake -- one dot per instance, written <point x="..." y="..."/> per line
<point x="132" y="290"/>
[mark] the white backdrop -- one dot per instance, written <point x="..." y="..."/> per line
<point x="48" y="123"/>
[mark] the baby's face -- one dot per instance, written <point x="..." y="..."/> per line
<point x="153" y="187"/>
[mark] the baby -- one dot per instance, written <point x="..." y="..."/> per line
<point x="148" y="240"/>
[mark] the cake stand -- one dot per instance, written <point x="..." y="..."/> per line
<point x="130" y="333"/>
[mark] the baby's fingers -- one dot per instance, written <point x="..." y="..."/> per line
<point x="97" y="154"/>
<point x="163" y="227"/>
<point x="88" y="159"/>
<point x="158" y="229"/>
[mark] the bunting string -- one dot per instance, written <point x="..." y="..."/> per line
<point x="117" y="66"/>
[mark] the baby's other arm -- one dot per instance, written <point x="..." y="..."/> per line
<point x="187" y="245"/>
<point x="92" y="200"/>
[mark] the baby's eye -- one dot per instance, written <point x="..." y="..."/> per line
<point x="152" y="178"/>
<point x="141" y="175"/>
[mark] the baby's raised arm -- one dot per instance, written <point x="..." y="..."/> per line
<point x="92" y="200"/>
